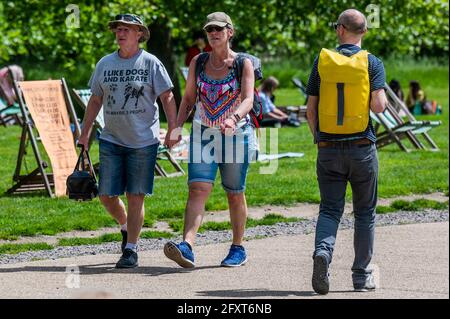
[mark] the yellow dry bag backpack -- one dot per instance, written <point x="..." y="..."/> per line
<point x="344" y="92"/>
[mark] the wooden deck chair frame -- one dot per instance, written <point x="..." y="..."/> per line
<point x="399" y="106"/>
<point x="301" y="87"/>
<point x="162" y="151"/>
<point x="6" y="118"/>
<point x="396" y="130"/>
<point x="38" y="179"/>
<point x="98" y="126"/>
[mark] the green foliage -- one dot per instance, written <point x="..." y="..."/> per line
<point x="48" y="30"/>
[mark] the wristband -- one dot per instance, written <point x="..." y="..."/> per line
<point x="234" y="119"/>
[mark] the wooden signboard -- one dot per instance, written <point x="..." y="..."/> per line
<point x="45" y="106"/>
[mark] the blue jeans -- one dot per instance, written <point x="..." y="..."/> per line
<point x="357" y="164"/>
<point x="210" y="150"/>
<point x="124" y="169"/>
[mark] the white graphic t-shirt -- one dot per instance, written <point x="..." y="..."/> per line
<point x="129" y="88"/>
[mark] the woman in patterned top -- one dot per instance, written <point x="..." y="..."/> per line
<point x="222" y="137"/>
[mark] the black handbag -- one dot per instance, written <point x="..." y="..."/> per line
<point x="82" y="184"/>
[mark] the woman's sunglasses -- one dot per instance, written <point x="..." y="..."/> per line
<point x="212" y="28"/>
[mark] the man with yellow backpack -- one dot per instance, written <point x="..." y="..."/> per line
<point x="344" y="85"/>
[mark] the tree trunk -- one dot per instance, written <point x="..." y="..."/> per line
<point x="160" y="45"/>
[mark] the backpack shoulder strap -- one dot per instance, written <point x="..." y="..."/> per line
<point x="238" y="66"/>
<point x="200" y="63"/>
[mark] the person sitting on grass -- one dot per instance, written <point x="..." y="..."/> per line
<point x="272" y="116"/>
<point x="416" y="98"/>
<point x="417" y="101"/>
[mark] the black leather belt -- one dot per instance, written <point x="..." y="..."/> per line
<point x="363" y="141"/>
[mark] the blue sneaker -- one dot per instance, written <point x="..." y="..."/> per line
<point x="236" y="257"/>
<point x="180" y="253"/>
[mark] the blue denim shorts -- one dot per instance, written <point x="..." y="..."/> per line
<point x="210" y="150"/>
<point x="124" y="169"/>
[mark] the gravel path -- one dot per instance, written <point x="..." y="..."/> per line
<point x="209" y="237"/>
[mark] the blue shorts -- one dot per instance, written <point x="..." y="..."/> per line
<point x="210" y="150"/>
<point x="124" y="169"/>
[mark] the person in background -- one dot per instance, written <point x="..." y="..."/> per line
<point x="198" y="47"/>
<point x="397" y="89"/>
<point x="272" y="116"/>
<point x="417" y="101"/>
<point x="7" y="93"/>
<point x="416" y="98"/>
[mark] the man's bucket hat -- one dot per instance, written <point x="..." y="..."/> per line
<point x="133" y="19"/>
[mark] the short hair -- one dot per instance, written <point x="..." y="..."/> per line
<point x="395" y="85"/>
<point x="269" y="84"/>
<point x="354" y="21"/>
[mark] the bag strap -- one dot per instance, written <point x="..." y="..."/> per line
<point x="91" y="167"/>
<point x="199" y="67"/>
<point x="238" y="65"/>
<point x="81" y="161"/>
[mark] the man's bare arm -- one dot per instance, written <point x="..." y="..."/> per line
<point x="311" y="114"/>
<point x="378" y="101"/>
<point x="92" y="109"/>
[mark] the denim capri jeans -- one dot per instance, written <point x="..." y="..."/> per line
<point x="210" y="150"/>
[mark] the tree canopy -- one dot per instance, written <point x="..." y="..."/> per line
<point x="53" y="31"/>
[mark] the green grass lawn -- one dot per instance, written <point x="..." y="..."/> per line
<point x="414" y="206"/>
<point x="294" y="181"/>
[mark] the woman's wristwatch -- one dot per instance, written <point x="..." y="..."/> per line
<point x="236" y="117"/>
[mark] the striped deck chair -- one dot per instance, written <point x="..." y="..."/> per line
<point x="396" y="130"/>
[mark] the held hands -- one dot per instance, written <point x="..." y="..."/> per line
<point x="173" y="137"/>
<point x="228" y="127"/>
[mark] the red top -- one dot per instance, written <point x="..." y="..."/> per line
<point x="193" y="51"/>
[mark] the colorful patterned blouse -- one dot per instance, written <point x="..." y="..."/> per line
<point x="216" y="99"/>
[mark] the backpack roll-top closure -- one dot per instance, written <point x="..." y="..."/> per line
<point x="344" y="92"/>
